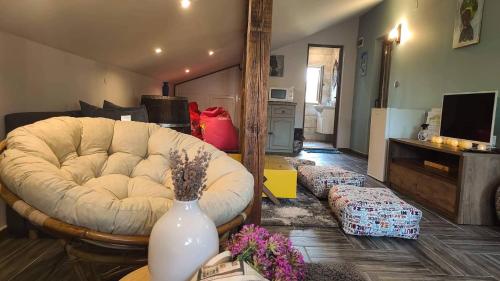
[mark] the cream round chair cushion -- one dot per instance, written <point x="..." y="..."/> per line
<point x="113" y="176"/>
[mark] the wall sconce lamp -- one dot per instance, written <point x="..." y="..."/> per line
<point x="395" y="34"/>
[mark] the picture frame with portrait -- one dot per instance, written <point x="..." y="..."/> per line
<point x="277" y="66"/>
<point x="468" y="18"/>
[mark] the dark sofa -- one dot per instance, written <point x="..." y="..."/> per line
<point x="15" y="120"/>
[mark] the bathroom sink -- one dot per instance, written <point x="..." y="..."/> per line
<point x="325" y="118"/>
<point x="320" y="107"/>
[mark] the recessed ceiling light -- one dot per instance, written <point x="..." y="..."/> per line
<point x="211" y="53"/>
<point x="187" y="70"/>
<point x="158" y="50"/>
<point x="185" y="3"/>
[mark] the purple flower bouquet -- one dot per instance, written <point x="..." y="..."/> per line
<point x="272" y="255"/>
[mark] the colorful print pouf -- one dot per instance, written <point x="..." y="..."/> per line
<point x="374" y="212"/>
<point x="319" y="179"/>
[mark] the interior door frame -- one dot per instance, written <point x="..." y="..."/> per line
<point x="339" y="87"/>
<point x="382" y="100"/>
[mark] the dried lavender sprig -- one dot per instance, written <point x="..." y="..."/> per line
<point x="189" y="176"/>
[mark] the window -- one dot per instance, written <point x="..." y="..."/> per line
<point x="314" y="84"/>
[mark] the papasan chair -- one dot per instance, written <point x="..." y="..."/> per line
<point x="102" y="184"/>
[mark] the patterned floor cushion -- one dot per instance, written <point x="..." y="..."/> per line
<point x="296" y="162"/>
<point x="319" y="179"/>
<point x="374" y="212"/>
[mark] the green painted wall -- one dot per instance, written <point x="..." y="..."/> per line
<point x="426" y="65"/>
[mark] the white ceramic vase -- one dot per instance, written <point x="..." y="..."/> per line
<point x="182" y="240"/>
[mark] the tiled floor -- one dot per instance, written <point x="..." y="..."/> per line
<point x="317" y="144"/>
<point x="444" y="251"/>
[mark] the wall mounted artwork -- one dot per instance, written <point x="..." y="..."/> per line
<point x="363" y="66"/>
<point x="277" y="66"/>
<point x="468" y="18"/>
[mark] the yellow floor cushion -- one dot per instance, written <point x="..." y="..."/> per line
<point x="280" y="175"/>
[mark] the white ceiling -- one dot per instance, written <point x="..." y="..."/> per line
<point x="296" y="19"/>
<point x="126" y="32"/>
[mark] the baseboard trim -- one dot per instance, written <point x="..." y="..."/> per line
<point x="354" y="152"/>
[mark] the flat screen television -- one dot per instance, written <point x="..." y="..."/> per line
<point x="469" y="116"/>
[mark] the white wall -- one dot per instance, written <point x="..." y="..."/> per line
<point x="295" y="54"/>
<point x="222" y="88"/>
<point x="35" y="77"/>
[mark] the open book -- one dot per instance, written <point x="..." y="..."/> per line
<point x="222" y="268"/>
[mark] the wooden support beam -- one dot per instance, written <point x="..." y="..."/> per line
<point x="254" y="101"/>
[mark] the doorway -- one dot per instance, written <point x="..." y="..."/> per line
<point x="385" y="72"/>
<point x="322" y="98"/>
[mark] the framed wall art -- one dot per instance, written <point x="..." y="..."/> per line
<point x="468" y="18"/>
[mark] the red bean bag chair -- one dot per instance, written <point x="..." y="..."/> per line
<point x="218" y="130"/>
<point x="194" y="115"/>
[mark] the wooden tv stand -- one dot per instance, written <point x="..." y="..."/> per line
<point x="464" y="194"/>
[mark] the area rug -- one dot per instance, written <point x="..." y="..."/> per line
<point x="322" y="150"/>
<point x="329" y="272"/>
<point x="305" y="211"/>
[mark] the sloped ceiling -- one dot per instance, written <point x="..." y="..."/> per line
<point x="296" y="19"/>
<point x="126" y="32"/>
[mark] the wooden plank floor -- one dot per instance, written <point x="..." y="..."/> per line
<point x="444" y="251"/>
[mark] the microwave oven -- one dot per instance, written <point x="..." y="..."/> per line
<point x="281" y="94"/>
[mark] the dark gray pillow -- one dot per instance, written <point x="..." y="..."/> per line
<point x="142" y="109"/>
<point x="138" y="114"/>
<point x="108" y="104"/>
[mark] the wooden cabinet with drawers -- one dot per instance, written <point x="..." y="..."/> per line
<point x="280" y="126"/>
<point x="459" y="185"/>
